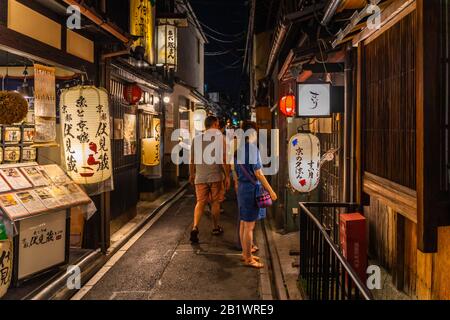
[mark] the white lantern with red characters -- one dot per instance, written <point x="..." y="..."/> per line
<point x="85" y="126"/>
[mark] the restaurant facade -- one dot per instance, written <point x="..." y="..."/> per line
<point x="388" y="131"/>
<point x="92" y="129"/>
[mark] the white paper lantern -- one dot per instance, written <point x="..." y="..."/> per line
<point x="85" y="129"/>
<point x="199" y="119"/>
<point x="304" y="162"/>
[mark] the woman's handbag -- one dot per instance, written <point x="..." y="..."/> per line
<point x="263" y="199"/>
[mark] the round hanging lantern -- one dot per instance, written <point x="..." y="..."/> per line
<point x="304" y="162"/>
<point x="86" y="134"/>
<point x="287" y="105"/>
<point x="132" y="93"/>
<point x="199" y="119"/>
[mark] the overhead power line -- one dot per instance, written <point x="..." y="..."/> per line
<point x="222" y="34"/>
<point x="223" y="41"/>
<point x="221" y="53"/>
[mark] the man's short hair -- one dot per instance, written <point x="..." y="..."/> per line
<point x="209" y="121"/>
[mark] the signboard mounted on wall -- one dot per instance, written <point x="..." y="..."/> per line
<point x="319" y="99"/>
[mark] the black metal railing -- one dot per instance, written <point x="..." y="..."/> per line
<point x="325" y="273"/>
<point x="328" y="215"/>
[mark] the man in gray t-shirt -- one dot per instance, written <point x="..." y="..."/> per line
<point x="211" y="179"/>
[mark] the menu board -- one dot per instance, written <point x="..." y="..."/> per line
<point x="15" y="178"/>
<point x="36" y="176"/>
<point x="33" y="189"/>
<point x="55" y="174"/>
<point x="60" y="195"/>
<point x="30" y="201"/>
<point x="47" y="198"/>
<point x="75" y="192"/>
<point x="12" y="206"/>
<point x="4" y="186"/>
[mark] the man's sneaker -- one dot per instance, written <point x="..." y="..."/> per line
<point x="194" y="235"/>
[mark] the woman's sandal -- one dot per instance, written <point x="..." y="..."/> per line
<point x="217" y="231"/>
<point x="255" y="249"/>
<point x="253" y="264"/>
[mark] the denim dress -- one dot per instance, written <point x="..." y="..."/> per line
<point x="248" y="208"/>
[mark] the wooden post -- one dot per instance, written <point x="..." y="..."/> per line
<point x="428" y="120"/>
<point x="359" y="125"/>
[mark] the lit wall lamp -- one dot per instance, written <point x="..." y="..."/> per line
<point x="166" y="99"/>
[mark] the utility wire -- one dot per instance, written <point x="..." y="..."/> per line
<point x="223" y="41"/>
<point x="220" y="33"/>
<point x="221" y="53"/>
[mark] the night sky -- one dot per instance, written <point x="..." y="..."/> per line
<point x="225" y="23"/>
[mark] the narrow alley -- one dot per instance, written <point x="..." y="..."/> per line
<point x="162" y="264"/>
<point x="317" y="130"/>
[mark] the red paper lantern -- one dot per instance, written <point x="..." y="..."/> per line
<point x="132" y="93"/>
<point x="287" y="105"/>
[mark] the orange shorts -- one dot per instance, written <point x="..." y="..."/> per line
<point x="210" y="192"/>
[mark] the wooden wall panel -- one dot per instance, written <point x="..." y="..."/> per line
<point x="389" y="104"/>
<point x="424" y="275"/>
<point x="410" y="261"/>
<point x="381" y="233"/>
<point x="441" y="274"/>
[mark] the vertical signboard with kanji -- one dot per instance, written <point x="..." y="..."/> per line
<point x="167" y="45"/>
<point x="142" y="24"/>
<point x="86" y="134"/>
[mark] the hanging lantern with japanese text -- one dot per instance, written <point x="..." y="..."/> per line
<point x="167" y="44"/>
<point x="287" y="105"/>
<point x="85" y="129"/>
<point x="151" y="152"/>
<point x="304" y="162"/>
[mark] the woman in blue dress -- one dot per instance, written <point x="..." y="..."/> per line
<point x="248" y="168"/>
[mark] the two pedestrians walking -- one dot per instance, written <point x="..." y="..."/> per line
<point x="212" y="179"/>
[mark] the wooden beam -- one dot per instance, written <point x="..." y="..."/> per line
<point x="428" y="102"/>
<point x="324" y="67"/>
<point x="386" y="15"/>
<point x="286" y="65"/>
<point x="401" y="199"/>
<point x="409" y="9"/>
<point x="20" y="44"/>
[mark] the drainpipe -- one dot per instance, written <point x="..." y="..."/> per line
<point x="330" y="11"/>
<point x="348" y="116"/>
